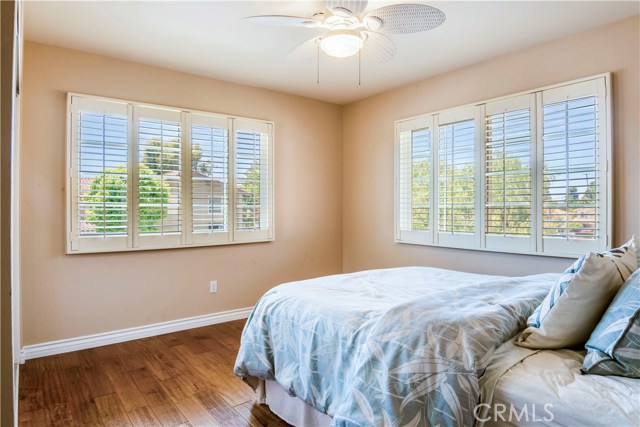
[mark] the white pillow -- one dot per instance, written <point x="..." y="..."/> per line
<point x="574" y="305"/>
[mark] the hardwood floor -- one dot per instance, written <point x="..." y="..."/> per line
<point x="179" y="379"/>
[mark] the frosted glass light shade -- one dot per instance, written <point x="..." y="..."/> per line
<point x="341" y="44"/>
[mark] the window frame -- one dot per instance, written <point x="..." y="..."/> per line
<point x="483" y="241"/>
<point x="134" y="240"/>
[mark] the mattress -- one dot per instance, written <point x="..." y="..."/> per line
<point x="546" y="388"/>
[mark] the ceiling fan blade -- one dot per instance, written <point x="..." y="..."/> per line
<point x="352" y="7"/>
<point x="377" y="48"/>
<point x="306" y="50"/>
<point x="282" y="20"/>
<point x="406" y="18"/>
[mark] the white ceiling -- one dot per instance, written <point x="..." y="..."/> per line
<point x="209" y="38"/>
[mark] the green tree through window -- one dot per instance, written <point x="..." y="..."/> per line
<point x="108" y="193"/>
<point x="508" y="201"/>
<point x="249" y="215"/>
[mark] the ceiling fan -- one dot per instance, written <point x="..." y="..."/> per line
<point x="348" y="30"/>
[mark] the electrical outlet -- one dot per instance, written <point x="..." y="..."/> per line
<point x="213" y="286"/>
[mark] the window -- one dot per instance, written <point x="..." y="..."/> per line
<point x="252" y="213"/>
<point x="159" y="216"/>
<point x="456" y="177"/>
<point x="574" y="168"/>
<point x="210" y="179"/>
<point x="414" y="201"/>
<point x="151" y="177"/>
<point x="508" y="158"/>
<point x="526" y="173"/>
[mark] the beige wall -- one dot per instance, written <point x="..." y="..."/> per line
<point x="334" y="183"/>
<point x="73" y="295"/>
<point x="368" y="188"/>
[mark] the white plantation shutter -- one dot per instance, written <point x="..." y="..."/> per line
<point x="457" y="176"/>
<point x="508" y="172"/>
<point x="253" y="180"/>
<point x="160" y="176"/>
<point x="527" y="173"/>
<point x="209" y="178"/>
<point x="99" y="174"/>
<point x="574" y="168"/>
<point x="154" y="177"/>
<point x="414" y="176"/>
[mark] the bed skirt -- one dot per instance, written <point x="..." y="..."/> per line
<point x="290" y="409"/>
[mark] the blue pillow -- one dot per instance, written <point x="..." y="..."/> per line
<point x="614" y="345"/>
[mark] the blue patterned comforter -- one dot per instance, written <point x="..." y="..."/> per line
<point x="394" y="347"/>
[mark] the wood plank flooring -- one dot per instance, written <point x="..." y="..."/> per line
<point x="179" y="379"/>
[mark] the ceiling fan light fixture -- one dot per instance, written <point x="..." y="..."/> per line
<point x="341" y="43"/>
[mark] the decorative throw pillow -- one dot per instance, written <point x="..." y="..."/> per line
<point x="635" y="244"/>
<point x="623" y="257"/>
<point x="614" y="346"/>
<point x="575" y="304"/>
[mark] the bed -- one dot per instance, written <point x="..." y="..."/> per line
<point x="546" y="388"/>
<point x="409" y="346"/>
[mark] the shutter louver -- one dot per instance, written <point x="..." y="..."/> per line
<point x="421" y="179"/>
<point x="456" y="187"/>
<point x="102" y="174"/>
<point x="252" y="179"/>
<point x="404" y="184"/>
<point x="415" y="217"/>
<point x="159" y="176"/>
<point x="248" y="182"/>
<point x="508" y="174"/>
<point x="571" y="169"/>
<point x="209" y="178"/>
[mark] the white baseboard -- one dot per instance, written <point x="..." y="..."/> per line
<point x="106" y="338"/>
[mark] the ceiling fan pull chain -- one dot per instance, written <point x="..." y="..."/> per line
<point x="318" y="66"/>
<point x="359" y="67"/>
